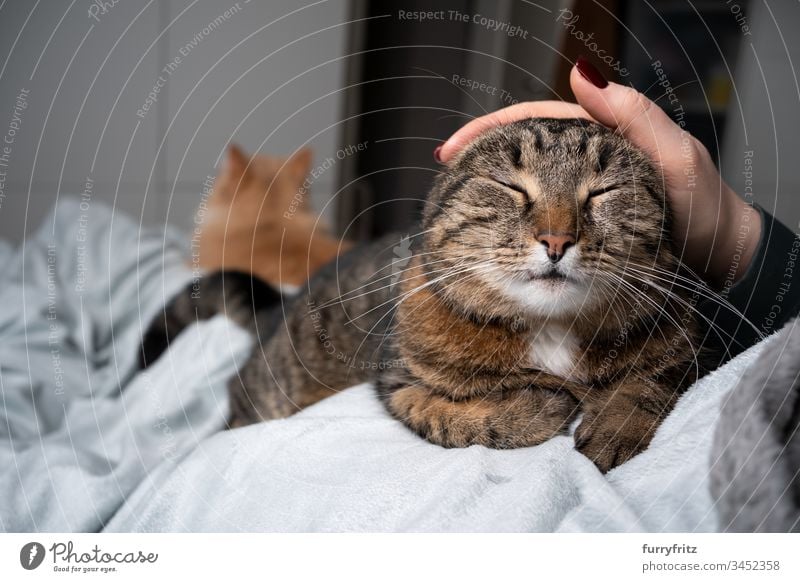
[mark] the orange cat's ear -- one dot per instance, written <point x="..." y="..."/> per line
<point x="293" y="177"/>
<point x="300" y="163"/>
<point x="234" y="173"/>
<point x="235" y="162"/>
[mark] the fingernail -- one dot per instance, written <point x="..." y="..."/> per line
<point x="589" y="72"/>
<point x="437" y="154"/>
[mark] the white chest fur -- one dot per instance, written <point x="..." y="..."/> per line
<point x="555" y="349"/>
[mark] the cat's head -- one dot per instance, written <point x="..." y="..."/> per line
<point x="546" y="218"/>
<point x="262" y="187"/>
<point x="258" y="219"/>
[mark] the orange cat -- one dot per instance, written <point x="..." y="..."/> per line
<point x="258" y="220"/>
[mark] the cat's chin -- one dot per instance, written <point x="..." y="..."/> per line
<point x="551" y="295"/>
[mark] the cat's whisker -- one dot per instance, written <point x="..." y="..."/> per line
<point x="615" y="294"/>
<point x="712" y="325"/>
<point x="699" y="288"/>
<point x="662" y="311"/>
<point x="343" y="298"/>
<point x="346" y="296"/>
<point x="424" y="301"/>
<point x="407" y="294"/>
<point x="394" y="310"/>
<point x="609" y="297"/>
<point x="449" y="271"/>
<point x="355" y="292"/>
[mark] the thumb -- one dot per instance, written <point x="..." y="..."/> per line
<point x="632" y="114"/>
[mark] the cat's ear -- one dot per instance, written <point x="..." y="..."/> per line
<point x="293" y="188"/>
<point x="235" y="162"/>
<point x="234" y="173"/>
<point x="299" y="164"/>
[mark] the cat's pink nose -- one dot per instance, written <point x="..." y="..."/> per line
<point x="556" y="243"/>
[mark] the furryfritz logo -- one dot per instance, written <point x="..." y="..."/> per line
<point x="31" y="555"/>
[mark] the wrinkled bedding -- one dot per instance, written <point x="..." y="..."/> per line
<point x="755" y="460"/>
<point x="89" y="443"/>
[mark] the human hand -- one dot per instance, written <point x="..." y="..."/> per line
<point x="715" y="231"/>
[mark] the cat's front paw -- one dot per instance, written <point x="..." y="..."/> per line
<point x="610" y="439"/>
<point x="521" y="418"/>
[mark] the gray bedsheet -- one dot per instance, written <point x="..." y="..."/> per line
<point x="80" y="430"/>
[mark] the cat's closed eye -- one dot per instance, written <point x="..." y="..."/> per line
<point x="600" y="191"/>
<point x="513" y="187"/>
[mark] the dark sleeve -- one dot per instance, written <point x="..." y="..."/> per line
<point x="768" y="294"/>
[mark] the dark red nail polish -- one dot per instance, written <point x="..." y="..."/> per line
<point x="589" y="72"/>
<point x="437" y="154"/>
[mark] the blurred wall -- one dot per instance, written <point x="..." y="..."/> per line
<point x="133" y="101"/>
<point x="75" y="81"/>
<point x="763" y="137"/>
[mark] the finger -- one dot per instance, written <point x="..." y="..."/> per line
<point x="507" y="115"/>
<point x="635" y="116"/>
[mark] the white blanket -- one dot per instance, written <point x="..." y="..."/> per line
<point x="89" y="443"/>
<point x="344" y="465"/>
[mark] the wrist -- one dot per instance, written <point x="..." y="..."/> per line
<point x="734" y="252"/>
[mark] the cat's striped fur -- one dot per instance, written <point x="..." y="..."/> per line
<point x="543" y="283"/>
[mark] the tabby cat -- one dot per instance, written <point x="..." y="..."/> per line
<point x="541" y="285"/>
